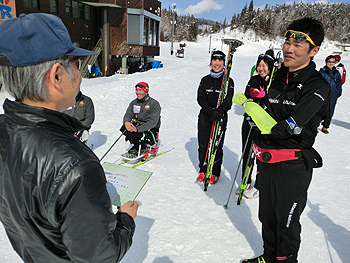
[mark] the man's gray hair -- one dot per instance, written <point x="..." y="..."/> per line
<point x="30" y="81"/>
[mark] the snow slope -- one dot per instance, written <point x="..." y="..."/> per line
<point x="177" y="221"/>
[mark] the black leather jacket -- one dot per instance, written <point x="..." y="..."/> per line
<point x="53" y="199"/>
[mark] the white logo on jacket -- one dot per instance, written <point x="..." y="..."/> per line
<point x="136" y="109"/>
<point x="275" y="101"/>
<point x="256" y="151"/>
<point x="288" y="102"/>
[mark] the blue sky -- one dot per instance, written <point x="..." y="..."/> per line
<point x="217" y="10"/>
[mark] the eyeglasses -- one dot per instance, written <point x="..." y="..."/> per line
<point x="331" y="61"/>
<point x="75" y="61"/>
<point x="266" y="56"/>
<point x="300" y="36"/>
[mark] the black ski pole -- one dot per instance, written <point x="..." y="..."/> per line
<point x="239" y="164"/>
<point x="112" y="145"/>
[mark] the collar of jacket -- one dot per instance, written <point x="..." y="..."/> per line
<point x="261" y="80"/>
<point x="329" y="71"/>
<point x="31" y="116"/>
<point x="144" y="99"/>
<point x="79" y="96"/>
<point x="300" y="76"/>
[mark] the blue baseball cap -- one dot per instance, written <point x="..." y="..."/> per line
<point x="36" y="38"/>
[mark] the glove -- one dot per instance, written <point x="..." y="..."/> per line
<point x="260" y="117"/>
<point x="256" y="93"/>
<point x="216" y="115"/>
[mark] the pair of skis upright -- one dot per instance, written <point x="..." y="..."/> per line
<point x="216" y="131"/>
<point x="251" y="157"/>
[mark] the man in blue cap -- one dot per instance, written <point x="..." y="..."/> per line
<point x="54" y="202"/>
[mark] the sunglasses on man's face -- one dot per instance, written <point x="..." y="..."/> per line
<point x="140" y="87"/>
<point x="299" y="36"/>
<point x="331" y="61"/>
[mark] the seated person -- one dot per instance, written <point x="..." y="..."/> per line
<point x="141" y="121"/>
<point x="84" y="111"/>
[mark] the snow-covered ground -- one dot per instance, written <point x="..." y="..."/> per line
<point x="177" y="221"/>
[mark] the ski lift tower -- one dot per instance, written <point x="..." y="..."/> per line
<point x="172" y="36"/>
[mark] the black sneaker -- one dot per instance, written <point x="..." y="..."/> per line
<point x="260" y="259"/>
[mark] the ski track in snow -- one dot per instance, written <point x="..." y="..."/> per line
<point x="177" y="221"/>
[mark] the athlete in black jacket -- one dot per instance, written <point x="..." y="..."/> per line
<point x="207" y="98"/>
<point x="297" y="100"/>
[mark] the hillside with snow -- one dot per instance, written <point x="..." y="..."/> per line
<point x="177" y="221"/>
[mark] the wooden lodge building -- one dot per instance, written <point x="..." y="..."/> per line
<point x="122" y="31"/>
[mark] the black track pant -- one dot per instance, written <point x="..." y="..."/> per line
<point x="283" y="194"/>
<point x="204" y="130"/>
<point x="136" y="138"/>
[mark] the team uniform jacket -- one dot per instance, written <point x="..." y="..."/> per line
<point x="53" y="199"/>
<point x="146" y="112"/>
<point x="255" y="81"/>
<point x="208" y="94"/>
<point x="303" y="95"/>
<point x="83" y="110"/>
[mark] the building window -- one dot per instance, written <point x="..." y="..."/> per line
<point x="156" y="33"/>
<point x="142" y="28"/>
<point x="68" y="8"/>
<point x="75" y="9"/>
<point x="31" y="4"/>
<point x="134" y="30"/>
<point x="87" y="13"/>
<point x="151" y="33"/>
<point x="145" y="31"/>
<point x="53" y="6"/>
<point x="81" y="10"/>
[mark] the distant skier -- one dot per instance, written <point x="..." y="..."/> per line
<point x="207" y="97"/>
<point x="141" y="121"/>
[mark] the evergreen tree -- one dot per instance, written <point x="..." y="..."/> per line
<point x="272" y="21"/>
<point x="267" y="22"/>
